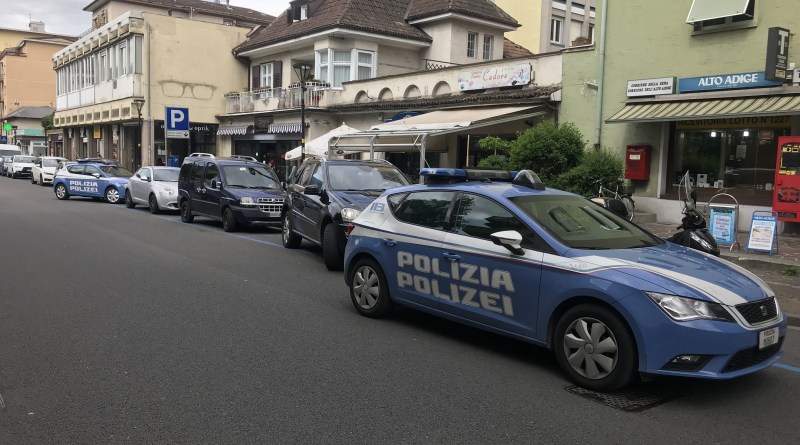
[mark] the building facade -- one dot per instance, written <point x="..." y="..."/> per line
<point x="142" y="56"/>
<point x="551" y="25"/>
<point x="702" y="103"/>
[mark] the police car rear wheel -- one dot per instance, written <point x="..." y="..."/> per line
<point x="186" y="213"/>
<point x="333" y="255"/>
<point x="290" y="239"/>
<point x="228" y="221"/>
<point x="129" y="200"/>
<point x="368" y="289"/>
<point x="594" y="346"/>
<point x="153" y="204"/>
<point x="112" y="195"/>
<point x="61" y="192"/>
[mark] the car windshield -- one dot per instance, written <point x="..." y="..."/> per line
<point x="50" y="162"/>
<point x="582" y="224"/>
<point x="166" y="175"/>
<point x="364" y="177"/>
<point x="114" y="170"/>
<point x="251" y="177"/>
<point x="29" y="159"/>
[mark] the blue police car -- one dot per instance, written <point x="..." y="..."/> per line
<point x="500" y="252"/>
<point x="101" y="180"/>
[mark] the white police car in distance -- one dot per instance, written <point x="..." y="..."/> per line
<point x="552" y="268"/>
<point x="92" y="179"/>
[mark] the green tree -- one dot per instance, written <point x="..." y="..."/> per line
<point x="47" y="122"/>
<point x="548" y="149"/>
<point x="595" y="165"/>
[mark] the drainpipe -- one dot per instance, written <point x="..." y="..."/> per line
<point x="601" y="76"/>
<point x="150" y="159"/>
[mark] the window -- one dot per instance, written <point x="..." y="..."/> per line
<point x="715" y="14"/>
<point x="123" y="59"/>
<point x="76" y="169"/>
<point x="556" y="26"/>
<point x="488" y="43"/>
<point x="591" y="33"/>
<point x="338" y="66"/>
<point x="212" y="174"/>
<point x="102" y="67"/>
<point x="480" y="217"/>
<point x="427" y="209"/>
<point x="266" y="75"/>
<point x="472" y="43"/>
<point x="91" y="171"/>
<point x="197" y="172"/>
<point x="318" y="176"/>
<point x="299" y="12"/>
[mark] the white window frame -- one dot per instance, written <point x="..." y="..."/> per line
<point x="488" y="47"/>
<point x="266" y="75"/>
<point x="353" y="64"/>
<point x="358" y="64"/>
<point x="102" y="66"/>
<point x="472" y="45"/>
<point x="557" y="30"/>
<point x="123" y="59"/>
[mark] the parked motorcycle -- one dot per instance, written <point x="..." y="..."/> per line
<point x="693" y="230"/>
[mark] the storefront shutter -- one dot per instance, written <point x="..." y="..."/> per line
<point x="715" y="9"/>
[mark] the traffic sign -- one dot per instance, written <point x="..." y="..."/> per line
<point x="177" y="123"/>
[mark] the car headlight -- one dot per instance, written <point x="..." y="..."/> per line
<point x="247" y="201"/>
<point x="685" y="309"/>
<point x="167" y="191"/>
<point x="349" y="215"/>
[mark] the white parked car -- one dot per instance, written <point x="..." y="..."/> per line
<point x="21" y="165"/>
<point x="44" y="168"/>
<point x="155" y="187"/>
<point x="197" y="155"/>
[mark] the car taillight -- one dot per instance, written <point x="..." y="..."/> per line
<point x="348" y="228"/>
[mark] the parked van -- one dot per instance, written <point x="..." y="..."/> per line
<point x="9" y="150"/>
<point x="233" y="191"/>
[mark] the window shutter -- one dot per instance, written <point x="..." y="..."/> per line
<point x="289" y="15"/>
<point x="277" y="74"/>
<point x="256" y="77"/>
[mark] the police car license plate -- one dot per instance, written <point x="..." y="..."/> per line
<point x="767" y="338"/>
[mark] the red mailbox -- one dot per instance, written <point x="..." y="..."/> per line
<point x="637" y="162"/>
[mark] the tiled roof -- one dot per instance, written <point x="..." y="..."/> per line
<point x="533" y="94"/>
<point x="207" y="7"/>
<point x="512" y="50"/>
<point x="484" y="9"/>
<point x="387" y="17"/>
<point x="30" y="113"/>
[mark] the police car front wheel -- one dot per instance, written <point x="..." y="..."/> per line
<point x="595" y="347"/>
<point x="368" y="289"/>
<point x="61" y="192"/>
<point x="112" y="195"/>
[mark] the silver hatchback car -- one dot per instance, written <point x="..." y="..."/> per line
<point x="155" y="187"/>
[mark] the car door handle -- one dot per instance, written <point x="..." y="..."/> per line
<point x="389" y="242"/>
<point x="452" y="256"/>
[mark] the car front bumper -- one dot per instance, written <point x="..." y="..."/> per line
<point x="250" y="214"/>
<point x="727" y="349"/>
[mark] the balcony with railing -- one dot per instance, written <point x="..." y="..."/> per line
<point x="271" y="99"/>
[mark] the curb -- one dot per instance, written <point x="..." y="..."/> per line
<point x="744" y="259"/>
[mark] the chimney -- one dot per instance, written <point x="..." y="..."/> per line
<point x="36" y="26"/>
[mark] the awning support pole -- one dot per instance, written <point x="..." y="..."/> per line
<point x="422" y="160"/>
<point x="372" y="148"/>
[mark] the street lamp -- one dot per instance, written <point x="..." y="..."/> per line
<point x="138" y="103"/>
<point x="302" y="70"/>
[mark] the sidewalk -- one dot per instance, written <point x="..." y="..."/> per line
<point x="773" y="269"/>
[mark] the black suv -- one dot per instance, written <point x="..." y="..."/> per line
<point x="325" y="196"/>
<point x="234" y="191"/>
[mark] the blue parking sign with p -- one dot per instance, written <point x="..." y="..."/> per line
<point x="177" y="122"/>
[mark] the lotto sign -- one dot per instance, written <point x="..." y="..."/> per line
<point x="762" y="232"/>
<point x="177" y="123"/>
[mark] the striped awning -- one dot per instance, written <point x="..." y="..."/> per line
<point x="232" y="130"/>
<point x="292" y="127"/>
<point x="707" y="109"/>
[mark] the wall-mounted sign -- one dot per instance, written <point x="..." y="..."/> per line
<point x="725" y="82"/>
<point x="495" y="77"/>
<point x="97" y="134"/>
<point x="177" y="121"/>
<point x="651" y="87"/>
<point x="777" y="55"/>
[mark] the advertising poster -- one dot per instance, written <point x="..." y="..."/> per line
<point x="722" y="228"/>
<point x="762" y="233"/>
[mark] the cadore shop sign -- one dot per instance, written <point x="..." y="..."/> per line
<point x="494" y="77"/>
<point x="725" y="82"/>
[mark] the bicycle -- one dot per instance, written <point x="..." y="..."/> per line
<point x="626" y="198"/>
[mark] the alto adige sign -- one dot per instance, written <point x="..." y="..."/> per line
<point x="725" y="82"/>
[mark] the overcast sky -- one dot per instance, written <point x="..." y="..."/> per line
<point x="68" y="17"/>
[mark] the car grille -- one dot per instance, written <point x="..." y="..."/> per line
<point x="26" y="169"/>
<point x="751" y="357"/>
<point x="759" y="312"/>
<point x="270" y="205"/>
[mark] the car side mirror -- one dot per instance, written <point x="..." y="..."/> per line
<point x="311" y="190"/>
<point x="214" y="184"/>
<point x="96" y="175"/>
<point x="144" y="178"/>
<point x="510" y="239"/>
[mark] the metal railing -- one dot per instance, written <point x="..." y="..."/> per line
<point x="437" y="64"/>
<point x="270" y="99"/>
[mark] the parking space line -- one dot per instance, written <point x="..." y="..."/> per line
<point x="787" y="367"/>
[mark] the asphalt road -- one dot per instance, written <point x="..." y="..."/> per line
<point x="117" y="326"/>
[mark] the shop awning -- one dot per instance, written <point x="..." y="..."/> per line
<point x="716" y="9"/>
<point x="291" y="127"/>
<point x="232" y="130"/>
<point x="706" y="109"/>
